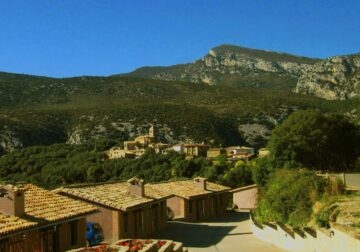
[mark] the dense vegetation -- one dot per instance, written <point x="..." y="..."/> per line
<point x="289" y="197"/>
<point x="60" y="164"/>
<point x="43" y="111"/>
<point x="316" y="140"/>
<point x="306" y="142"/>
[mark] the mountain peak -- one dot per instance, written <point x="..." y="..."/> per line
<point x="235" y="66"/>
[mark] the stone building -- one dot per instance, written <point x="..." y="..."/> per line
<point x="138" y="146"/>
<point x="34" y="219"/>
<point x="194" y="200"/>
<point x="126" y="210"/>
<point x="240" y="153"/>
<point x="215" y="152"/>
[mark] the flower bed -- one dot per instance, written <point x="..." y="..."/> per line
<point x="136" y="245"/>
<point x="165" y="246"/>
<point x="102" y="248"/>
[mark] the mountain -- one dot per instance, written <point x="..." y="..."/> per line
<point x="236" y="66"/>
<point x="333" y="78"/>
<point x="240" y="95"/>
<point x="107" y="110"/>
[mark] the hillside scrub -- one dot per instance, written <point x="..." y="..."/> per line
<point x="289" y="196"/>
<point x="43" y="111"/>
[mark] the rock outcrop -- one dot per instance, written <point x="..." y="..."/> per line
<point x="336" y="78"/>
<point x="235" y="66"/>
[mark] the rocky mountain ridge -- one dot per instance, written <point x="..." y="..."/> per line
<point x="336" y="78"/>
<point x="235" y="66"/>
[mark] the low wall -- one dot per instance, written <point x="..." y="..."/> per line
<point x="307" y="240"/>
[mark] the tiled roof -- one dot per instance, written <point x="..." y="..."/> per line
<point x="216" y="187"/>
<point x="115" y="195"/>
<point x="41" y="207"/>
<point x="49" y="206"/>
<point x="9" y="224"/>
<point x="187" y="188"/>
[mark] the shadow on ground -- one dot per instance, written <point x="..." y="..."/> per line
<point x="206" y="234"/>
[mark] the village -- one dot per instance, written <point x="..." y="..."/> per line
<point x="122" y="216"/>
<point x="166" y="216"/>
<point x="73" y="218"/>
<point x="137" y="147"/>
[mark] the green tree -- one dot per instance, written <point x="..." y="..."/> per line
<point x="261" y="171"/>
<point x="239" y="175"/>
<point x="312" y="139"/>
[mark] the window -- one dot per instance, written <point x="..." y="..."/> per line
<point x="126" y="222"/>
<point x="190" y="206"/>
<point x="74" y="233"/>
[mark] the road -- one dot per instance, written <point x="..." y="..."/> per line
<point x="228" y="233"/>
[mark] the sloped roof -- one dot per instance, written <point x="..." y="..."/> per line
<point x="187" y="188"/>
<point x="115" y="195"/>
<point x="10" y="224"/>
<point x="43" y="207"/>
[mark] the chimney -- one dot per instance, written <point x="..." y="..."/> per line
<point x="136" y="187"/>
<point x="200" y="182"/>
<point x="12" y="200"/>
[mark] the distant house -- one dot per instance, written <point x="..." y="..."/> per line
<point x="263" y="152"/>
<point x="240" y="153"/>
<point x="194" y="200"/>
<point x="245" y="198"/>
<point x="34" y="219"/>
<point x="127" y="210"/>
<point x="191" y="150"/>
<point x="215" y="152"/>
<point x="195" y="150"/>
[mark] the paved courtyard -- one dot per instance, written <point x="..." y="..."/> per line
<point x="228" y="233"/>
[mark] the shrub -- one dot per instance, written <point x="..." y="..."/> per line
<point x="288" y="197"/>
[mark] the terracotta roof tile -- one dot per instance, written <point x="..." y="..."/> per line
<point x="42" y="206"/>
<point x="115" y="195"/>
<point x="9" y="224"/>
<point x="187" y="188"/>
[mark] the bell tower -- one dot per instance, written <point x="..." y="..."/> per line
<point x="152" y="131"/>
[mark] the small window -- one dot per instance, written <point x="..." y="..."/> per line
<point x="126" y="222"/>
<point x="74" y="233"/>
<point x="190" y="206"/>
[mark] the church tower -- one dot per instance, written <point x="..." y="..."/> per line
<point x="152" y="132"/>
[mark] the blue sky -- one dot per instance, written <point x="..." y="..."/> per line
<point x="64" y="38"/>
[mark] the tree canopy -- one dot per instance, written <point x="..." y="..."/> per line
<point x="315" y="140"/>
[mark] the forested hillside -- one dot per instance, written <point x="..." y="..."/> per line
<point x="42" y="111"/>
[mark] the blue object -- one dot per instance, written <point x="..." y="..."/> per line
<point x="94" y="233"/>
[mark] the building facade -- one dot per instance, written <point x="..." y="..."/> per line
<point x="194" y="200"/>
<point x="215" y="152"/>
<point x="126" y="210"/>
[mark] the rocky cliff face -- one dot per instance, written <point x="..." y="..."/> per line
<point x="336" y="78"/>
<point x="232" y="65"/>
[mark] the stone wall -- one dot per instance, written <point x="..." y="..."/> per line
<point x="306" y="240"/>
